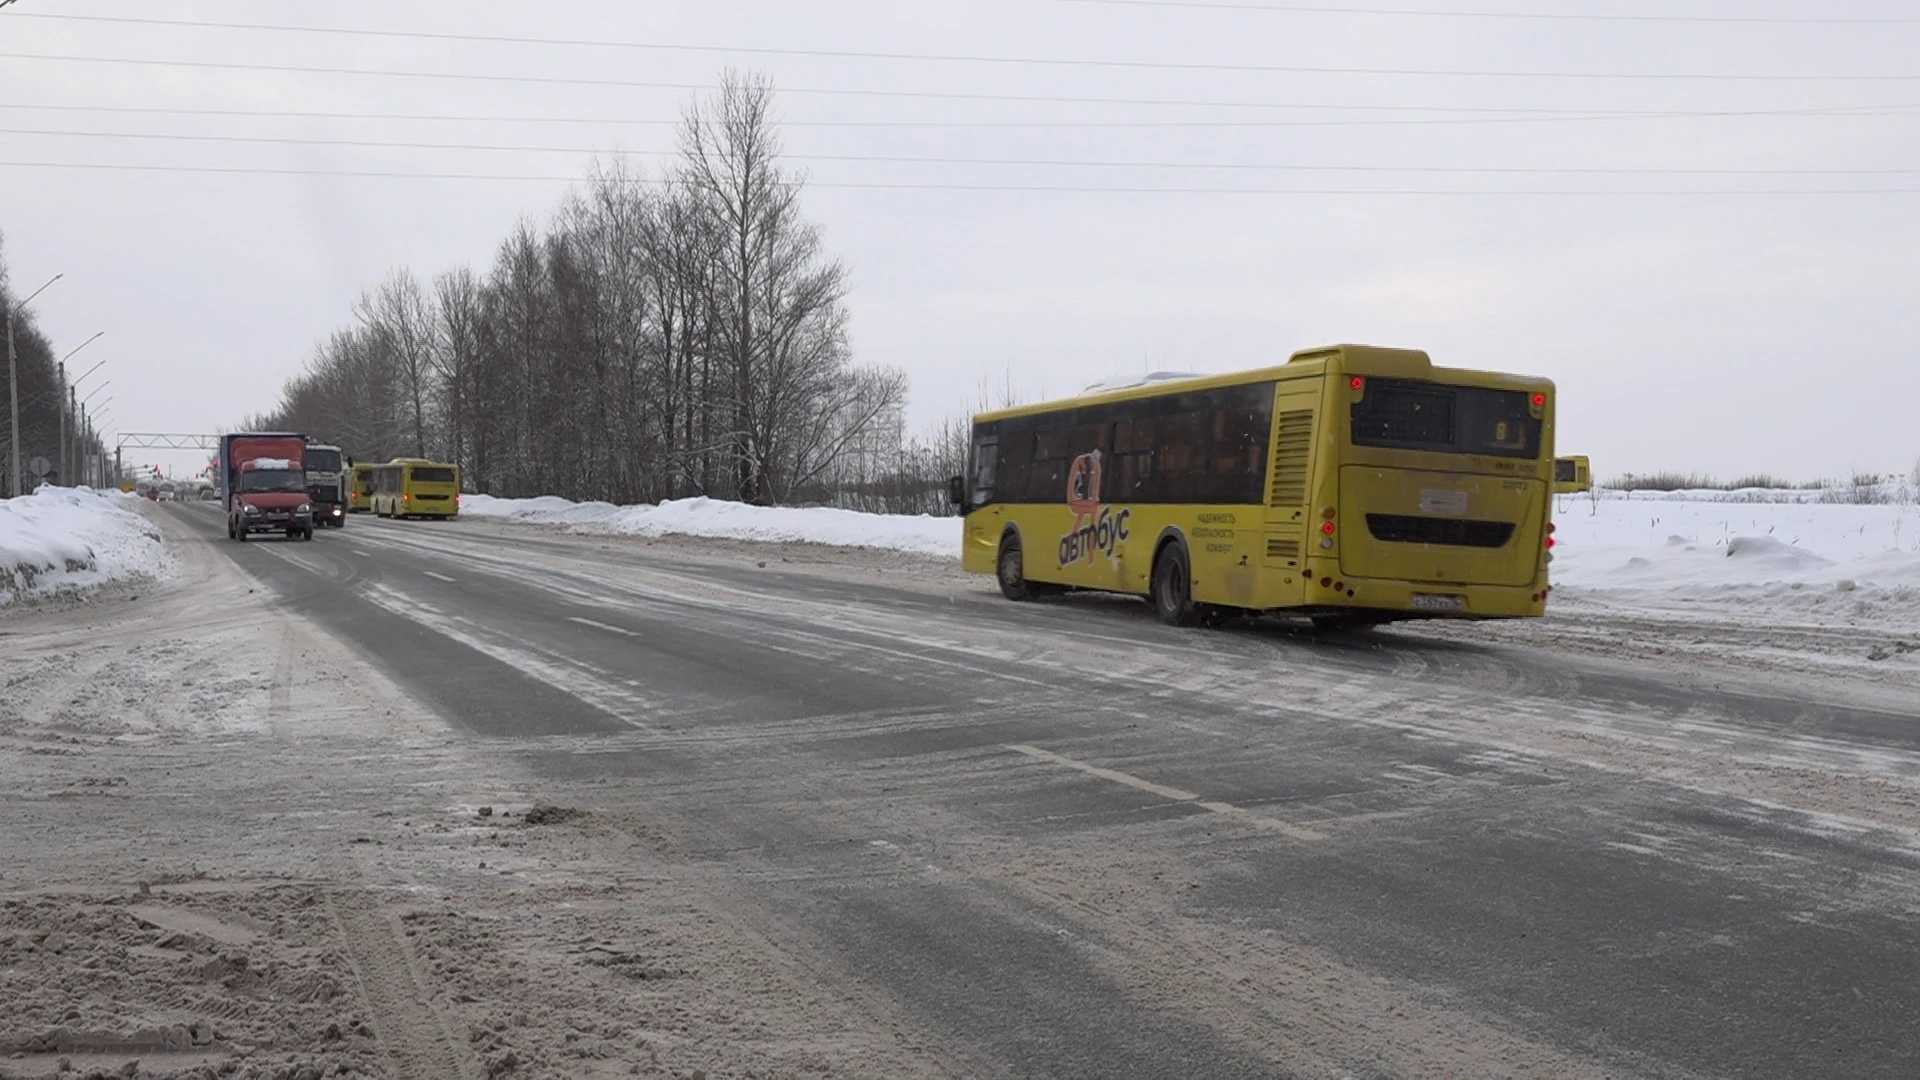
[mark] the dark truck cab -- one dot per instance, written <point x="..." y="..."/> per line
<point x="328" y="474"/>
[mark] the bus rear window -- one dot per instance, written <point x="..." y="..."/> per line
<point x="430" y="474"/>
<point x="1401" y="415"/>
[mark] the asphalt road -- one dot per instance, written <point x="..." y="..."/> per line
<point x="1074" y="842"/>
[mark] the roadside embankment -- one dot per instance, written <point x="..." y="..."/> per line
<point x="67" y="541"/>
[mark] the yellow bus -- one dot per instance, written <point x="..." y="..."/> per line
<point x="1572" y="475"/>
<point x="1355" y="485"/>
<point x="360" y="498"/>
<point x="416" y="487"/>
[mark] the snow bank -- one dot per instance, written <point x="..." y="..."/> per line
<point x="1755" y="560"/>
<point x="60" y="540"/>
<point x="734" y="521"/>
<point x="1770" y="560"/>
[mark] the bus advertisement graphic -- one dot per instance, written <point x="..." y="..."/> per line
<point x="1097" y="530"/>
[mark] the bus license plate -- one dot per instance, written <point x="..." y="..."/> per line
<point x="1431" y="602"/>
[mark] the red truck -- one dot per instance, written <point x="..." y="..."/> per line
<point x="265" y="478"/>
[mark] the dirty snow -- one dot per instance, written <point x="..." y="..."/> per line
<point x="1757" y="554"/>
<point x="67" y="540"/>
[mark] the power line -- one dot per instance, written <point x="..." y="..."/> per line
<point x="827" y="54"/>
<point x="894" y="159"/>
<point x="1555" y="16"/>
<point x="1003" y="188"/>
<point x="554" y="80"/>
<point x="1525" y="116"/>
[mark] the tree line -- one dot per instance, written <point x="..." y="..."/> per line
<point x="657" y="338"/>
<point x="44" y="403"/>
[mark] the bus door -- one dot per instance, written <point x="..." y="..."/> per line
<point x="1290" y="526"/>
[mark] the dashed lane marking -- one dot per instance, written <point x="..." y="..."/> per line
<point x="438" y="577"/>
<point x="363" y="554"/>
<point x="1174" y="794"/>
<point x="602" y="626"/>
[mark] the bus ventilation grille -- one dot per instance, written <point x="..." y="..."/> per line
<point x="1396" y="528"/>
<point x="1292" y="452"/>
<point x="1282" y="549"/>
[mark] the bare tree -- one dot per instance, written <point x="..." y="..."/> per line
<point x="653" y="340"/>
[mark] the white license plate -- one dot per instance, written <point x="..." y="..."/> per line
<point x="1434" y="501"/>
<point x="1430" y="602"/>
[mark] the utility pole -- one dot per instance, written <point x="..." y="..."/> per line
<point x="66" y="478"/>
<point x="13" y="394"/>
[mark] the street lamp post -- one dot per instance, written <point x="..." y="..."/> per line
<point x="100" y="421"/>
<point x="13" y="384"/>
<point x="87" y="437"/>
<point x="65" y="476"/>
<point x="87" y="420"/>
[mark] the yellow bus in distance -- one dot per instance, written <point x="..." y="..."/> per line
<point x="1572" y="475"/>
<point x="416" y="487"/>
<point x="360" y="496"/>
<point x="1355" y="485"/>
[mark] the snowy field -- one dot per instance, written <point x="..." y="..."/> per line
<point x="1754" y="555"/>
<point x="1757" y="555"/>
<point x="69" y="540"/>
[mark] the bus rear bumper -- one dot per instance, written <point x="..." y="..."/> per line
<point x="1425" y="599"/>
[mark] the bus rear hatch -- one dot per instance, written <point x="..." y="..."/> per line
<point x="1456" y="528"/>
<point x="1449" y="525"/>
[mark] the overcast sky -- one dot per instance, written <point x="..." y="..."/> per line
<point x="1713" y="292"/>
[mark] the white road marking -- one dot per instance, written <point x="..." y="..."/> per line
<point x="1172" y="793"/>
<point x="1107" y="774"/>
<point x="441" y="577"/>
<point x="602" y="626"/>
<point x="363" y="554"/>
<point x="563" y="673"/>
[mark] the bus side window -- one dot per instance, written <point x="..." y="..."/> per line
<point x="1242" y="426"/>
<point x="1016" y="461"/>
<point x="1052" y="456"/>
<point x="1180" y="452"/>
<point x="1130" y="476"/>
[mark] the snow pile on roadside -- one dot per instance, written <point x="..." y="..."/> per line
<point x="1756" y="560"/>
<point x="60" y="540"/>
<point x="1803" y="559"/>
<point x="733" y="521"/>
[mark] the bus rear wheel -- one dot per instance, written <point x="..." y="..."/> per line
<point x="1173" y="588"/>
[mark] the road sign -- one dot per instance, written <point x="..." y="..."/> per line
<point x="40" y="467"/>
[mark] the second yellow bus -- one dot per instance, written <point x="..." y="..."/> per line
<point x="414" y="488"/>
